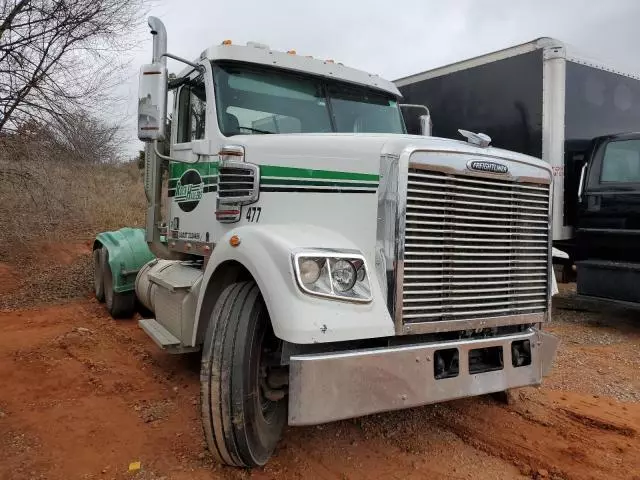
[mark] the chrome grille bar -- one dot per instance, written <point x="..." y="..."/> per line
<point x="474" y="248"/>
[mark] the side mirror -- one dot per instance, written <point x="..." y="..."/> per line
<point x="417" y="119"/>
<point x="152" y="102"/>
<point x="583" y="174"/>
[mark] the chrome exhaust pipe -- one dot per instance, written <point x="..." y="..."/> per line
<point x="159" y="40"/>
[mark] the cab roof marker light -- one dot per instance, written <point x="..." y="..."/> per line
<point x="226" y="42"/>
<point x="291" y="52"/>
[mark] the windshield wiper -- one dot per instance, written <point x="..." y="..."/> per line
<point x="254" y="129"/>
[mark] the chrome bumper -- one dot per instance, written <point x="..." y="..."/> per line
<point x="334" y="386"/>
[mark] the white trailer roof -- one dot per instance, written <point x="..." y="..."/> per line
<point x="262" y="54"/>
<point x="570" y="53"/>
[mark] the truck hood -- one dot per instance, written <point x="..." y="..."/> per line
<point x="353" y="152"/>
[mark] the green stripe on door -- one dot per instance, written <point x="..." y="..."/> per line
<point x="176" y="169"/>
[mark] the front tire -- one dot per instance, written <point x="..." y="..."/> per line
<point x="119" y="304"/>
<point x="243" y="411"/>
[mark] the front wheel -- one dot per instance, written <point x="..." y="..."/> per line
<point x="243" y="386"/>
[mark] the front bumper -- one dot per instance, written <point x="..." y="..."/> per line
<point x="334" y="386"/>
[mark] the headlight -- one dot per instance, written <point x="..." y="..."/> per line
<point x="339" y="275"/>
<point x="343" y="275"/>
<point x="309" y="270"/>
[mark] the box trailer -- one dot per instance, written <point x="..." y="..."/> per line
<point x="538" y="98"/>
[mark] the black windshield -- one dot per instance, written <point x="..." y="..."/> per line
<point x="254" y="100"/>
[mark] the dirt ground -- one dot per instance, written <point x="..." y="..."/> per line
<point x="83" y="396"/>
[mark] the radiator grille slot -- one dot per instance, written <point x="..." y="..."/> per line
<point x="238" y="182"/>
<point x="474" y="247"/>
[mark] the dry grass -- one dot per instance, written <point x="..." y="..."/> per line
<point x="51" y="210"/>
<point x="59" y="201"/>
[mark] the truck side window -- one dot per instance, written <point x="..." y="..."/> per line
<point x="621" y="162"/>
<point x="192" y="106"/>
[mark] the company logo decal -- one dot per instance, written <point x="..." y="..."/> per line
<point x="189" y="190"/>
<point x="483" y="166"/>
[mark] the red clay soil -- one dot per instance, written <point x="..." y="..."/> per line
<point x="83" y="396"/>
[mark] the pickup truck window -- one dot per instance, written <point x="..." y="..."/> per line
<point x="263" y="100"/>
<point x="621" y="162"/>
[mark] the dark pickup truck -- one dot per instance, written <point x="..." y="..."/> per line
<point x="608" y="219"/>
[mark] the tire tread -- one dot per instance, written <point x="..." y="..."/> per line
<point x="222" y="364"/>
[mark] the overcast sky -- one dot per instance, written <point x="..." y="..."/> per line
<point x="394" y="38"/>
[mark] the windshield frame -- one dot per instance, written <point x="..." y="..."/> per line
<point x="325" y="86"/>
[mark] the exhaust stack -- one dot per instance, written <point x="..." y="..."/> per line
<point x="153" y="164"/>
<point x="159" y="40"/>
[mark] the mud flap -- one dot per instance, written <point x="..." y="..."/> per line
<point x="128" y="252"/>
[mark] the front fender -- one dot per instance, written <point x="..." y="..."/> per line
<point x="266" y="252"/>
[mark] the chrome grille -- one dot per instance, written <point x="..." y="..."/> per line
<point x="238" y="182"/>
<point x="475" y="247"/>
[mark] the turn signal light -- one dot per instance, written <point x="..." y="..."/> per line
<point x="234" y="241"/>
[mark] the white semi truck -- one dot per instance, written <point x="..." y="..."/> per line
<point x="327" y="264"/>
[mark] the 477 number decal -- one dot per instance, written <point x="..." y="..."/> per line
<point x="253" y="214"/>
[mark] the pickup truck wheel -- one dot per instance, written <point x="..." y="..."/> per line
<point x="119" y="304"/>
<point x="98" y="274"/>
<point x="243" y="386"/>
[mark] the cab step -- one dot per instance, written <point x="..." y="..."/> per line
<point x="163" y="337"/>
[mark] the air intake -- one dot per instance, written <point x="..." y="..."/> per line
<point x="238" y="183"/>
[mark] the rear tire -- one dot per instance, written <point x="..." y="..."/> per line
<point x="242" y="426"/>
<point x="98" y="273"/>
<point x="119" y="304"/>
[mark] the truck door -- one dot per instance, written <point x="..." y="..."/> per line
<point x="192" y="180"/>
<point x="609" y="209"/>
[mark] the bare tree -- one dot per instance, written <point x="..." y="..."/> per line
<point x="58" y="56"/>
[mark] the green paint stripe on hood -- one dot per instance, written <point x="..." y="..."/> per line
<point x="211" y="168"/>
<point x="278" y="171"/>
<point x="323" y="183"/>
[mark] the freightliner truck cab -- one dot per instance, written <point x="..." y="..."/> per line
<point x="327" y="264"/>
